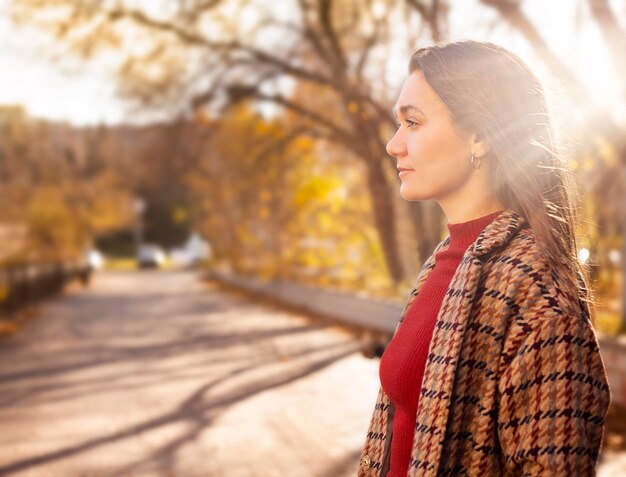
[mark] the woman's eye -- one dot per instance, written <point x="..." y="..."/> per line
<point x="408" y="122"/>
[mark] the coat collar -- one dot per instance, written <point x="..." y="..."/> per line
<point x="495" y="235"/>
<point x="438" y="379"/>
<point x="498" y="233"/>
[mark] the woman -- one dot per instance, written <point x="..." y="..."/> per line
<point x="494" y="368"/>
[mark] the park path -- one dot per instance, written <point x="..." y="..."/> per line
<point x="158" y="374"/>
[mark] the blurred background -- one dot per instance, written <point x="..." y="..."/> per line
<point x="242" y="142"/>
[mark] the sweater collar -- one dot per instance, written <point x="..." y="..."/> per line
<point x="463" y="234"/>
<point x="496" y="234"/>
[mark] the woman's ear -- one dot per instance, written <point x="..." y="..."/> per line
<point x="479" y="146"/>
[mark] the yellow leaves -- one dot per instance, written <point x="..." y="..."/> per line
<point x="105" y="213"/>
<point x="204" y="118"/>
<point x="319" y="189"/>
<point x="313" y="189"/>
<point x="243" y="233"/>
<point x="303" y="144"/>
<point x="261" y="128"/>
<point x="47" y="207"/>
<point x="300" y="209"/>
<point x="353" y="107"/>
<point x="310" y="259"/>
<point x="607" y="151"/>
<point x="324" y="220"/>
<point x="584" y="163"/>
<point x="265" y="195"/>
<point x="179" y="215"/>
<point x="337" y="198"/>
<point x="52" y="223"/>
<point x="266" y="273"/>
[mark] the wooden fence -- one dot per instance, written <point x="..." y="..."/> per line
<point x="379" y="318"/>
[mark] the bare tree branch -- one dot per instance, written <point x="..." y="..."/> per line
<point x="198" y="9"/>
<point x="325" y="16"/>
<point x="370" y="42"/>
<point x="197" y="39"/>
<point x="512" y="13"/>
<point x="346" y="136"/>
<point x="309" y="31"/>
<point x="602" y="122"/>
<point x="614" y="36"/>
<point x="432" y="15"/>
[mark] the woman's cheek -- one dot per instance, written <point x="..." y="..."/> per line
<point x="417" y="144"/>
<point x="412" y="140"/>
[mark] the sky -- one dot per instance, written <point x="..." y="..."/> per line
<point x="27" y="78"/>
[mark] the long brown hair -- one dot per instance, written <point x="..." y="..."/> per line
<point x="490" y="91"/>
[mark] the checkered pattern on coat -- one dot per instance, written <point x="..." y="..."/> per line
<point x="514" y="382"/>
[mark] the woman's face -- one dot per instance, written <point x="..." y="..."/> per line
<point x="427" y="143"/>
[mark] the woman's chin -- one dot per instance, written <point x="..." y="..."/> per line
<point x="407" y="193"/>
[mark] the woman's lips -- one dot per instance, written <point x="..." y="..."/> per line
<point x="403" y="172"/>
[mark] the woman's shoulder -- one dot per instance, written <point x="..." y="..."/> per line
<point x="522" y="272"/>
<point x="542" y="313"/>
<point x="519" y="260"/>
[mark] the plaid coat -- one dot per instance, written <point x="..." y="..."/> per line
<point x="514" y="383"/>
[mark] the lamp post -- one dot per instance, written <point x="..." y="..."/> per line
<point x="139" y="206"/>
<point x="623" y="254"/>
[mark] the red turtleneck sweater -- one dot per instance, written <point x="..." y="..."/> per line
<point x="402" y="363"/>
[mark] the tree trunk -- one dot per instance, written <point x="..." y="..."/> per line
<point x="384" y="218"/>
<point x="427" y="218"/>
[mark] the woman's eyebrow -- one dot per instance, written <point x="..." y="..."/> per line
<point x="406" y="109"/>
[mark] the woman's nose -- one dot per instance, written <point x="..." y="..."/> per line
<point x="395" y="146"/>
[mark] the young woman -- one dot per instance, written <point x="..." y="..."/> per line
<point x="494" y="368"/>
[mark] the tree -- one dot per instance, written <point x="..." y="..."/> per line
<point x="56" y="186"/>
<point x="339" y="47"/>
<point x="603" y="139"/>
<point x="206" y="55"/>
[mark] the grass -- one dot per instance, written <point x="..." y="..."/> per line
<point x="120" y="264"/>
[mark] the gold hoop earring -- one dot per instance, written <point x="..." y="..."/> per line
<point x="472" y="161"/>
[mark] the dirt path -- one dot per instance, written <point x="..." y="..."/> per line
<point x="155" y="374"/>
